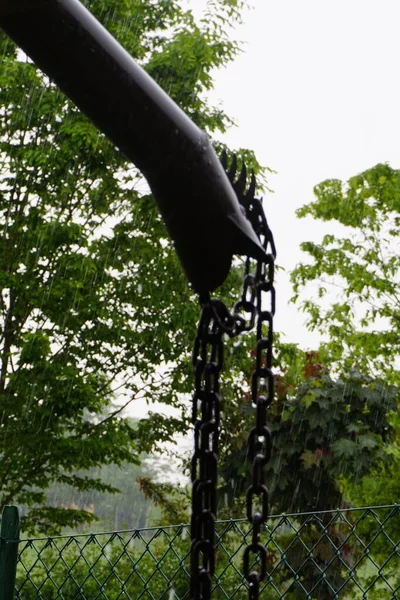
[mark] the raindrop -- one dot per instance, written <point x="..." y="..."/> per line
<point x="171" y="594"/>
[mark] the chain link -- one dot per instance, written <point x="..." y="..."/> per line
<point x="216" y="319"/>
<point x="262" y="395"/>
<point x="207" y="362"/>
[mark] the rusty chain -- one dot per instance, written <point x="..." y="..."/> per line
<point x="216" y="320"/>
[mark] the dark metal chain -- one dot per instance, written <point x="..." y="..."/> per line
<point x="262" y="394"/>
<point x="216" y="319"/>
<point x="207" y="361"/>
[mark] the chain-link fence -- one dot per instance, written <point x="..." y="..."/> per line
<point x="326" y="555"/>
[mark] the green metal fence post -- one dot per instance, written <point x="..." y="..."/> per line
<point x="9" y="536"/>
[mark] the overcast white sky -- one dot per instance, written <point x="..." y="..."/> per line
<point x="317" y="95"/>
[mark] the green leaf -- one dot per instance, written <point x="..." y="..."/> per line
<point x="343" y="448"/>
<point x="309" y="399"/>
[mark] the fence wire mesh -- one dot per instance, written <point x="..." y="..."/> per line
<point x="353" y="553"/>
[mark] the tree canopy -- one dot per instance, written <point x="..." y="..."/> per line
<point x="356" y="264"/>
<point x="93" y="300"/>
<point x="348" y="287"/>
<point x="325" y="430"/>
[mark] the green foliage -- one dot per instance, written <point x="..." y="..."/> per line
<point x="172" y="501"/>
<point x="344" y="553"/>
<point x="382" y="485"/>
<point x="350" y="284"/>
<point x="324" y="430"/>
<point x="358" y="264"/>
<point x="114" y="567"/>
<point x="330" y="429"/>
<point x="93" y="299"/>
<point x="329" y="436"/>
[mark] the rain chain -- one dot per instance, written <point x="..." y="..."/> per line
<point x="216" y="320"/>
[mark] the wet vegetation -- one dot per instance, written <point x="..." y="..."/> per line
<point x="96" y="314"/>
<point x="93" y="301"/>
